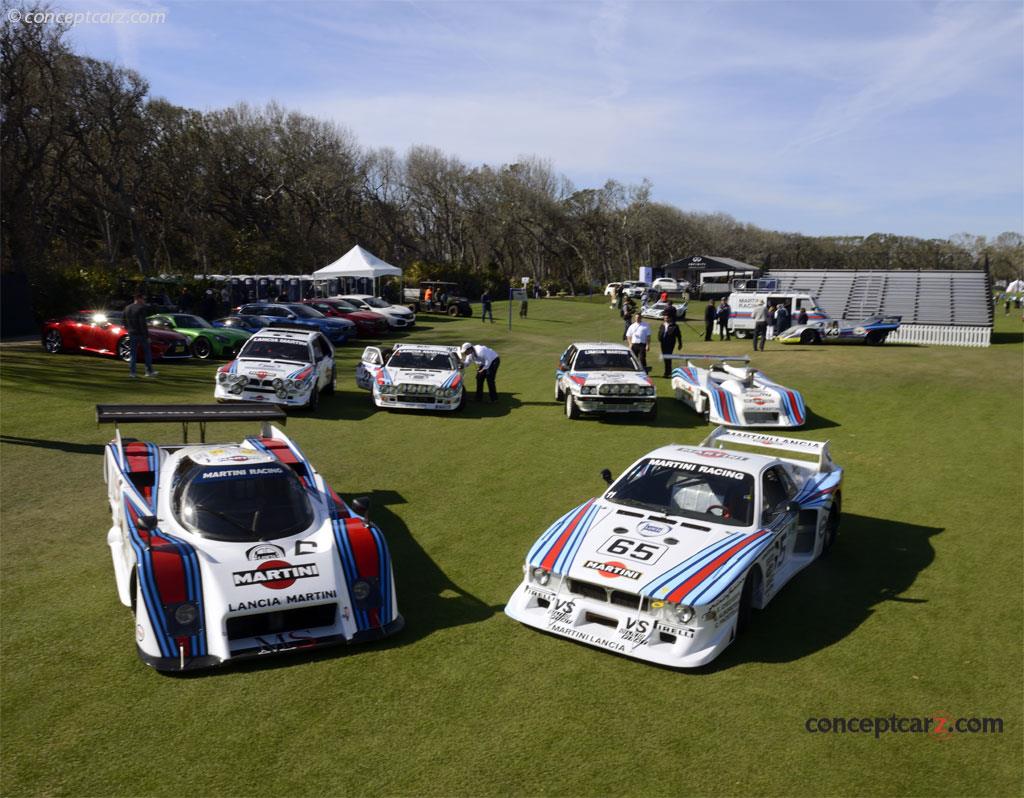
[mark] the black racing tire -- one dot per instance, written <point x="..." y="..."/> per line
<point x="202" y="348"/>
<point x="559" y="395"/>
<point x="746" y="608"/>
<point x="133" y="589"/>
<point x="53" y="343"/>
<point x="832" y="526"/>
<point x="314" y="400"/>
<point x="453" y="310"/>
<point x="571" y="410"/>
<point x="124" y="350"/>
<point x="332" y="384"/>
<point x="741" y="334"/>
<point x="809" y="337"/>
<point x="653" y="412"/>
<point x="875" y="338"/>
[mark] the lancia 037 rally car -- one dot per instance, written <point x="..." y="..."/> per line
<point x="233" y="550"/>
<point x="736" y="397"/>
<point x="603" y="378"/>
<point x="284" y="367"/>
<point x="668" y="564"/>
<point x="870" y="331"/>
<point x="413" y="377"/>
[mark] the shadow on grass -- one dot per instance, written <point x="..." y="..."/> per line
<point x="355" y="406"/>
<point x="873" y="561"/>
<point x="427" y="598"/>
<point x="999" y="338"/>
<point x="60" y="446"/>
<point x="815" y="422"/>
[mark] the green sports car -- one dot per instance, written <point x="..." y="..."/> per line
<point x="205" y="339"/>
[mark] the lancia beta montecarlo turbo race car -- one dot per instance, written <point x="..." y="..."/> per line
<point x="233" y="550"/>
<point x="668" y="564"/>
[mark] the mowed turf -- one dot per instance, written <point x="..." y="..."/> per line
<point x="916" y="613"/>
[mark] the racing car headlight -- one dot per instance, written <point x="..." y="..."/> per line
<point x="588" y="390"/>
<point x="541" y="576"/>
<point x="681" y="612"/>
<point x="648" y="390"/>
<point x="186" y="614"/>
<point x="360" y="590"/>
<point x="223" y="377"/>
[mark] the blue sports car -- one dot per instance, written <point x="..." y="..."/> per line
<point x="303" y="317"/>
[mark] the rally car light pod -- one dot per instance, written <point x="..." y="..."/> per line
<point x="588" y="390"/>
<point x="360" y="590"/>
<point x="185" y="614"/>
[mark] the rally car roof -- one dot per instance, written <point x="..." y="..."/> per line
<point x="290" y="334"/>
<point x="599" y="345"/>
<point x="424" y="348"/>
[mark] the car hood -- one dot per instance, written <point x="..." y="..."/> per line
<point x="609" y="378"/>
<point x="679" y="549"/>
<point x="262" y="369"/>
<point x="753" y="398"/>
<point x="417" y="376"/>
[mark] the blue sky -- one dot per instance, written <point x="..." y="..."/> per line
<point x="823" y="118"/>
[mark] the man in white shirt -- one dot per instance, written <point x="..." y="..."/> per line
<point x="638" y="335"/>
<point x="487" y="362"/>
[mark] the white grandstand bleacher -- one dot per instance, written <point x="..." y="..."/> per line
<point x="938" y="307"/>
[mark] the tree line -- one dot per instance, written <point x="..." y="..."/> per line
<point x="101" y="180"/>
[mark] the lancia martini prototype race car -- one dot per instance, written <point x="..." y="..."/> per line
<point x="235" y="550"/>
<point x="597" y="378"/>
<point x="668" y="564"/>
<point x="284" y="367"/>
<point x="872" y="331"/>
<point x="413" y="377"/>
<point x="736" y="397"/>
<point x="657" y="310"/>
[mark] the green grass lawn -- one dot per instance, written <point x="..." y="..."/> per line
<point x="918" y="612"/>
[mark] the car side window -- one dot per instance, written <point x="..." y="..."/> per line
<point x="776" y="487"/>
<point x="565" y="361"/>
<point x="318" y="349"/>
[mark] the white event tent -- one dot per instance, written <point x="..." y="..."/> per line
<point x="357" y="262"/>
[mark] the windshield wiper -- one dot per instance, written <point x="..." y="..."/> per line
<point x="225" y="517"/>
<point x="654" y="508"/>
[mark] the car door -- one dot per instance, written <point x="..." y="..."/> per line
<point x="777" y="491"/>
<point x="370" y="363"/>
<point x="324" y="359"/>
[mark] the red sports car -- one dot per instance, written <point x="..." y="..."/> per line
<point x="367" y="324"/>
<point x="103" y="332"/>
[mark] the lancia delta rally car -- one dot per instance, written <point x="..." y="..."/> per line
<point x="603" y="378"/>
<point x="234" y="550"/>
<point x="668" y="564"/>
<point x="736" y="397"/>
<point x="285" y="367"/>
<point x="413" y="377"/>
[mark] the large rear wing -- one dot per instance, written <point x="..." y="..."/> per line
<point x="819" y="449"/>
<point x="722" y="358"/>
<point x="185" y="414"/>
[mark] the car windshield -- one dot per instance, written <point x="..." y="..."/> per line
<point x="306" y="312"/>
<point x="187" y="320"/>
<point x="606" y="361"/>
<point x="275" y="349"/>
<point x="261" y="501"/>
<point x="708" y="493"/>
<point x="373" y="302"/>
<point x="438" y="361"/>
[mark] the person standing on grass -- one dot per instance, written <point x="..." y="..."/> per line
<point x="668" y="337"/>
<point x="724" y="311"/>
<point x="638" y="335"/>
<point x="710" y="314"/>
<point x="801" y="317"/>
<point x="487" y="362"/>
<point x="135" y="316"/>
<point x="524" y="305"/>
<point x="781" y="319"/>
<point x="760" y="316"/>
<point x="485" y="301"/>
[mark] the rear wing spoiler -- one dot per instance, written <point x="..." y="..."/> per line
<point x="681" y="356"/>
<point x="184" y="414"/>
<point x="820" y="449"/>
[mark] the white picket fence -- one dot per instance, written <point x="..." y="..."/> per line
<point x="938" y="335"/>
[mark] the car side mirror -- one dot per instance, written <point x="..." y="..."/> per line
<point x="606" y="475"/>
<point x="147" y="522"/>
<point x="362" y="505"/>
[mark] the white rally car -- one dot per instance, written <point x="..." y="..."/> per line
<point x="668" y="564"/>
<point x="603" y="378"/>
<point x="736" y="397"/>
<point x="284" y="367"/>
<point x="413" y="377"/>
<point x="235" y="550"/>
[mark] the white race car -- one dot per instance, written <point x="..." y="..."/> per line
<point x="657" y="310"/>
<point x="235" y="550"/>
<point x="284" y="367"/>
<point x="668" y="564"/>
<point x="413" y="377"/>
<point x="398" y="317"/>
<point x="736" y="397"/>
<point x="603" y="378"/>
